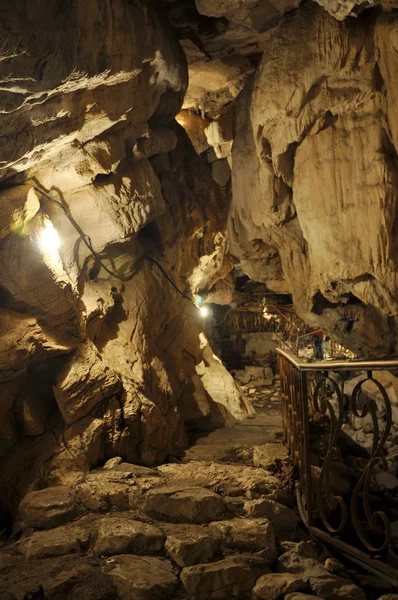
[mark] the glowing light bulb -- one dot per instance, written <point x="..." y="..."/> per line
<point x="203" y="311"/>
<point x="49" y="238"/>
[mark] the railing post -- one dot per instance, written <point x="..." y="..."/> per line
<point x="306" y="475"/>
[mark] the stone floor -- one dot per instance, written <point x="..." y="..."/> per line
<point x="236" y="443"/>
<point x="219" y="524"/>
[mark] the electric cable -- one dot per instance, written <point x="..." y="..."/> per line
<point x="159" y="266"/>
<point x="86" y="239"/>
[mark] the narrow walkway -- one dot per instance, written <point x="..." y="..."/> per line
<point x="217" y="525"/>
<point x="235" y="444"/>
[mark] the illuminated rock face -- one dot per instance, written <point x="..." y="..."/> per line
<point x="315" y="174"/>
<point x="92" y="366"/>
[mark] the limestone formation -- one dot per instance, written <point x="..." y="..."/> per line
<point x="275" y="585"/>
<point x="283" y="519"/>
<point x="48" y="508"/>
<point x="100" y="343"/>
<point x="320" y="581"/>
<point x="119" y="554"/>
<point x="190" y="545"/>
<point x="249" y="534"/>
<point x="67" y="539"/>
<point x="296" y="190"/>
<point x="141" y="578"/>
<point x="121" y="535"/>
<point x="154" y="152"/>
<point x="184" y="503"/>
<point x="231" y="578"/>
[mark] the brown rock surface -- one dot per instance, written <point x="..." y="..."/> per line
<point x="120" y="534"/>
<point x="276" y="585"/>
<point x="229" y="578"/>
<point x="190" y="545"/>
<point x="141" y="578"/>
<point x="57" y="578"/>
<point x="249" y="534"/>
<point x="284" y="519"/>
<point x="88" y="116"/>
<point x="321" y="582"/>
<point x="67" y="539"/>
<point x="294" y="211"/>
<point x="180" y="503"/>
<point x="48" y="508"/>
<point x="113" y="490"/>
<point x="223" y="477"/>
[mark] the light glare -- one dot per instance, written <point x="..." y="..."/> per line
<point x="49" y="238"/>
<point x="203" y="311"/>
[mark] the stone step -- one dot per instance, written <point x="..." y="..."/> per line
<point x="249" y="535"/>
<point x="228" y="578"/>
<point x="48" y="508"/>
<point x="184" y="504"/>
<point x="189" y="545"/>
<point x="121" y="534"/>
<point x="142" y="577"/>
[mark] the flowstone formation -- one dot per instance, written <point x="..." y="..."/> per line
<point x="314" y="173"/>
<point x="94" y="365"/>
<point x="294" y="105"/>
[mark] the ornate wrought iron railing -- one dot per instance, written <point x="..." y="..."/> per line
<point x="352" y="514"/>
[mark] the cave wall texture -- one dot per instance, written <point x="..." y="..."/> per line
<point x="315" y="170"/>
<point x="309" y="159"/>
<point x="289" y="168"/>
<point x="92" y="366"/>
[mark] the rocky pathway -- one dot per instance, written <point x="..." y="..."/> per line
<point x="218" y="524"/>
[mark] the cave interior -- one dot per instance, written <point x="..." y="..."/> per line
<point x="199" y="300"/>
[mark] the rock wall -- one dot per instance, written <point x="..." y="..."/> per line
<point x="315" y="173"/>
<point x="94" y="365"/>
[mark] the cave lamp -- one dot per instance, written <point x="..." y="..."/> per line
<point x="49" y="238"/>
<point x="204" y="311"/>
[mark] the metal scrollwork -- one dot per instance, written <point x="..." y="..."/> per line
<point x="327" y="501"/>
<point x="376" y="520"/>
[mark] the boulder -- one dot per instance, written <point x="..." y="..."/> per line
<point x="48" y="508"/>
<point x="190" y="545"/>
<point x="265" y="455"/>
<point x="135" y="471"/>
<point x="255" y="372"/>
<point x="228" y="578"/>
<point x="242" y="376"/>
<point x="249" y="534"/>
<point x="121" y="534"/>
<point x="113" y="462"/>
<point x="334" y="566"/>
<point x="220" y="385"/>
<point x="83" y="382"/>
<point x="141" y="578"/>
<point x="115" y="489"/>
<point x="66" y="539"/>
<point x="320" y="581"/>
<point x="184" y="504"/>
<point x="284" y="519"/>
<point x="369" y="391"/>
<point x="276" y="585"/>
<point x="273" y="227"/>
<point x="225" y="477"/>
